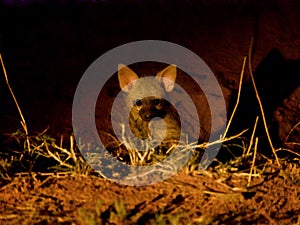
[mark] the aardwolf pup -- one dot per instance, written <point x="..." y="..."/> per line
<point x="145" y="97"/>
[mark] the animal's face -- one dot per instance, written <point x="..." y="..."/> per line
<point x="145" y="98"/>
<point x="149" y="107"/>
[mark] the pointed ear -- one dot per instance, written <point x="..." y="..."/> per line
<point x="126" y="77"/>
<point x="169" y="74"/>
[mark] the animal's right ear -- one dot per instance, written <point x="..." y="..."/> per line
<point x="127" y="77"/>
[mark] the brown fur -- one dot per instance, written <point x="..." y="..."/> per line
<point x="143" y="110"/>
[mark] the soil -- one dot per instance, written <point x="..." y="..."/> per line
<point x="46" y="49"/>
<point x="199" y="198"/>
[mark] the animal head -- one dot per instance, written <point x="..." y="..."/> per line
<point x="145" y="96"/>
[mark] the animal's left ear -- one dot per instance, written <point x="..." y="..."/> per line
<point x="169" y="74"/>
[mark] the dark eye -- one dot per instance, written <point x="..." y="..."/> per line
<point x="156" y="102"/>
<point x="137" y="102"/>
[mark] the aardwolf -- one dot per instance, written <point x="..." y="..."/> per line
<point x="145" y="99"/>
